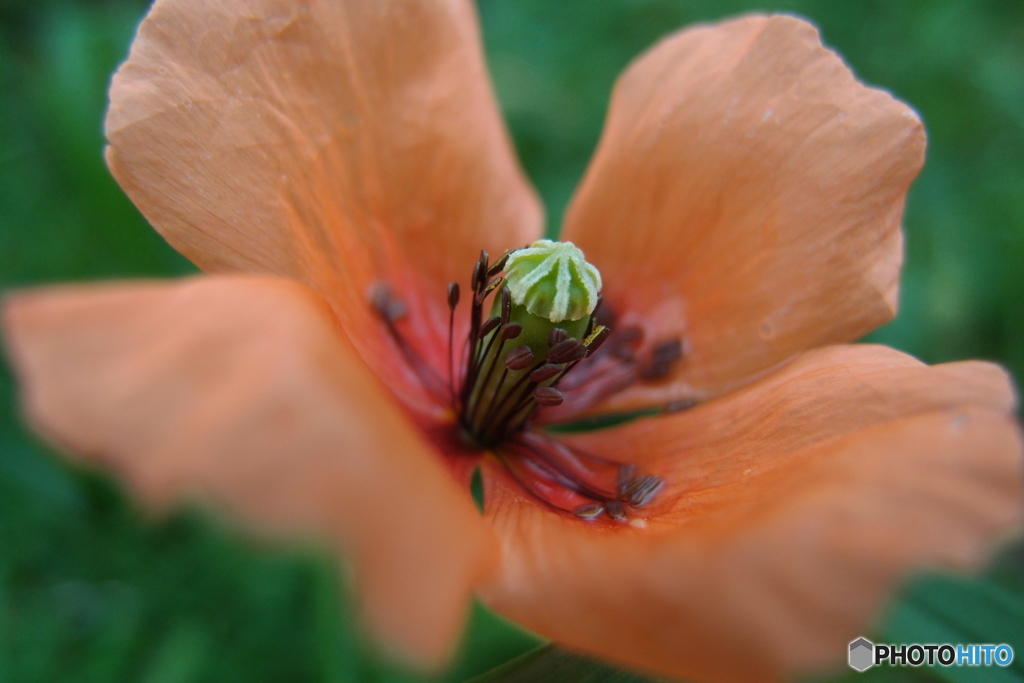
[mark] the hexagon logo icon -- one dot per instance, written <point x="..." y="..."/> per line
<point x="862" y="654"/>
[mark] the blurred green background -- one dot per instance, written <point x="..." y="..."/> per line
<point x="91" y="592"/>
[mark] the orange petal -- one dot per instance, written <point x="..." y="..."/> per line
<point x="747" y="196"/>
<point x="792" y="510"/>
<point x="337" y="143"/>
<point x="240" y="390"/>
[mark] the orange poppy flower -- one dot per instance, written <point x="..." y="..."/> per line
<point x="743" y="209"/>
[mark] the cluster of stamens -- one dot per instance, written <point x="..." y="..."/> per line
<point x="493" y="404"/>
<point x="577" y="482"/>
<point x="508" y="369"/>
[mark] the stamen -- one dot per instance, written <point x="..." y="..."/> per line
<point x="511" y="331"/>
<point x="499" y="265"/>
<point x="507" y="332"/>
<point x="548" y="396"/>
<point x="615" y="510"/>
<point x="642" y="490"/>
<point x="668" y="351"/>
<point x="386" y="304"/>
<point x="589" y="511"/>
<point x="519" y="358"/>
<point x="626" y="474"/>
<point x="489" y="325"/>
<point x="572" y="351"/>
<point x="479" y="271"/>
<point x="571" y="480"/>
<point x="545" y="372"/>
<point x="626" y="342"/>
<point x="506" y="306"/>
<point x="453" y="302"/>
<point x="662" y="357"/>
<point x="490" y="287"/>
<point x="557" y="335"/>
<point x="620" y="366"/>
<point x="597" y="338"/>
<point x="453" y="295"/>
<point x="561" y="349"/>
<point x="391" y="309"/>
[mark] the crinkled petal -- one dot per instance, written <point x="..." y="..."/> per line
<point x="336" y="143"/>
<point x="240" y="390"/>
<point x="792" y="510"/>
<point x="746" y="196"/>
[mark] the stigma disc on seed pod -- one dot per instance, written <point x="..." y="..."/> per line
<point x="553" y="280"/>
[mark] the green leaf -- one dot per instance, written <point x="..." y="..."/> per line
<point x="549" y="663"/>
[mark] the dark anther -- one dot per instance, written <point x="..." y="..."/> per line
<point x="478" y="277"/>
<point x="572" y="351"/>
<point x="656" y="370"/>
<point x="489" y="326"/>
<point x="511" y="331"/>
<point x="453" y="301"/>
<point x="506" y="305"/>
<point x="626" y="341"/>
<point x="668" y="351"/>
<point x="663" y="356"/>
<point x="486" y="291"/>
<point x="615" y="510"/>
<point x="579" y="353"/>
<point x="548" y="396"/>
<point x="643" y="489"/>
<point x="481" y="271"/>
<point x="519" y="358"/>
<point x="625" y="478"/>
<point x="387" y="306"/>
<point x="557" y="336"/>
<point x="453" y="295"/>
<point x="498" y="265"/>
<point x="545" y="372"/>
<point x="562" y="348"/>
<point x="589" y="511"/>
<point x="390" y="309"/>
<point x="598" y="340"/>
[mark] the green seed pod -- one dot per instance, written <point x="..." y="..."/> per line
<point x="553" y="280"/>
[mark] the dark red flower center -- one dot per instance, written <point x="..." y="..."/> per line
<point x="512" y="378"/>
